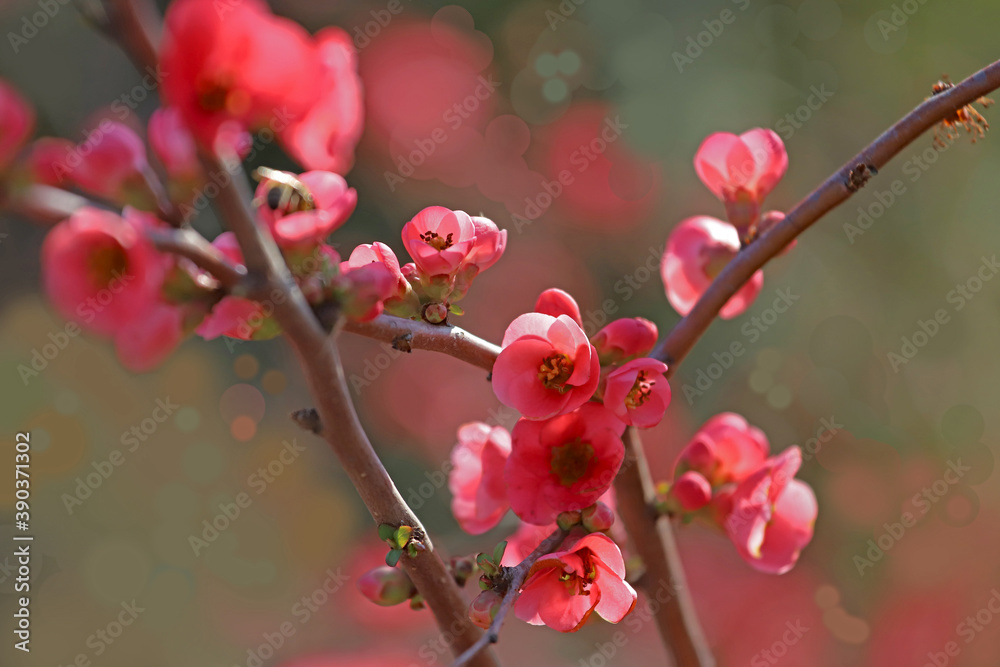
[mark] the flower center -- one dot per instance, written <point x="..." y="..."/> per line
<point x="640" y="392"/>
<point x="555" y="371"/>
<point x="107" y="263"/>
<point x="216" y="93"/>
<point x="571" y="461"/>
<point x="436" y="241"/>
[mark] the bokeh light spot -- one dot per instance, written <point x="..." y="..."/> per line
<point x="274" y="382"/>
<point x="555" y="90"/>
<point x="246" y="366"/>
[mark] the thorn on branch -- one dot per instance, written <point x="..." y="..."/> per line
<point x="308" y="419"/>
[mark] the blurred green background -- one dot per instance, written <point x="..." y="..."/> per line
<point x="827" y="76"/>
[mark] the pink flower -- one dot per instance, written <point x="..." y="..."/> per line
<point x="697" y="251"/>
<point x="564" y="588"/>
<point x="741" y="171"/>
<point x="725" y="449"/>
<point x="100" y="270"/>
<point x="113" y="165"/>
<point x="625" y="339"/>
<point x="772" y="514"/>
<point x="230" y="67"/>
<point x="479" y="495"/>
<point x="17" y="119"/>
<point x="363" y="290"/>
<point x="297" y="217"/>
<point x="691" y="491"/>
<point x="173" y="144"/>
<point x="547" y="366"/>
<point x="46" y="160"/>
<point x="439" y="240"/>
<point x="637" y="393"/>
<point x="556" y="302"/>
<point x="233" y="316"/>
<point x="145" y="342"/>
<point x="379" y="253"/>
<point x="523" y="541"/>
<point x="565" y="463"/>
<point x="489" y="244"/>
<point x="326" y="135"/>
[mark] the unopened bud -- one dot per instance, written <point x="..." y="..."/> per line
<point x="598" y="517"/>
<point x="692" y="491"/>
<point x="567" y="520"/>
<point x="386" y="586"/>
<point x="484" y="608"/>
<point x="435" y="313"/>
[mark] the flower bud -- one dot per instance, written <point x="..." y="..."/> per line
<point x="435" y="313"/>
<point x="691" y="491"/>
<point x="567" y="520"/>
<point x="386" y="586"/>
<point x="484" y="608"/>
<point x="556" y="302"/>
<point x="598" y="517"/>
<point x="625" y="339"/>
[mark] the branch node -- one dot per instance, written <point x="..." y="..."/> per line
<point x="308" y="419"/>
<point x="859" y="176"/>
<point x="402" y="342"/>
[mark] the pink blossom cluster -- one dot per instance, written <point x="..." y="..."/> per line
<point x="741" y="171"/>
<point x="727" y="476"/>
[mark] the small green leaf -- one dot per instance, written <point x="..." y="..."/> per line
<point x="455" y="310"/>
<point x="403" y="536"/>
<point x="499" y="551"/>
<point x="386" y="533"/>
<point x="392" y="557"/>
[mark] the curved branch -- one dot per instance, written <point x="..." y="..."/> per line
<point x="834" y="191"/>
<point x="43" y="203"/>
<point x="515" y="578"/>
<point x="409" y="335"/>
<point x="186" y="242"/>
<point x="653" y="539"/>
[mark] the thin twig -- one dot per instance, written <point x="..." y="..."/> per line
<point x="830" y="194"/>
<point x="186" y="242"/>
<point x="409" y="334"/>
<point x="515" y="577"/>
